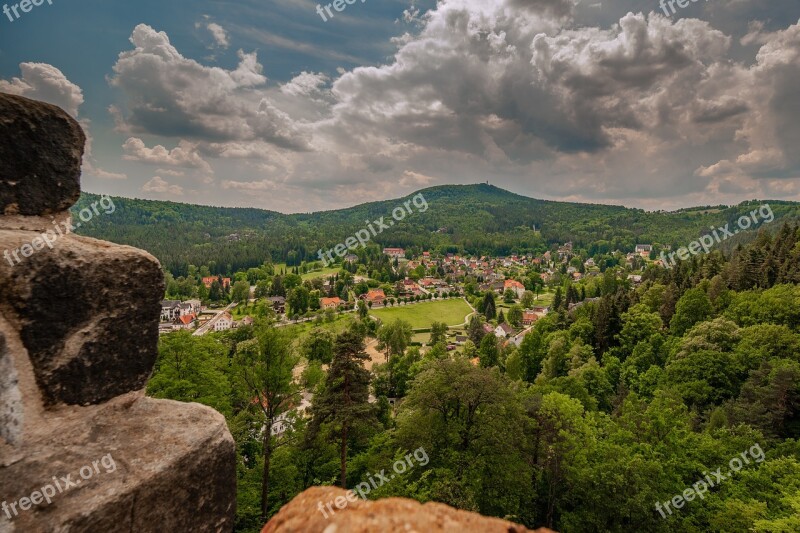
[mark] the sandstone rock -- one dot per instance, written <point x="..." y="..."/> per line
<point x="302" y="514"/>
<point x="79" y="332"/>
<point x="87" y="312"/>
<point x="150" y="465"/>
<point x="10" y="398"/>
<point x="41" y="148"/>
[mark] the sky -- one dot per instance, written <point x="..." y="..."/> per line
<point x="271" y="104"/>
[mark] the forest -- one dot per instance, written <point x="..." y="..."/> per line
<point x="610" y="406"/>
<point x="470" y="219"/>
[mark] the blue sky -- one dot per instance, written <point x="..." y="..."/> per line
<point x="264" y="104"/>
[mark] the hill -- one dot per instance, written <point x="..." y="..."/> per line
<point x="478" y="219"/>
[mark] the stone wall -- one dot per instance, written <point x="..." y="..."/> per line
<point x="78" y="340"/>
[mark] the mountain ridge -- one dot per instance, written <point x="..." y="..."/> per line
<point x="479" y="218"/>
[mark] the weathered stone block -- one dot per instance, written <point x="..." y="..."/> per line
<point x="10" y="398"/>
<point x="87" y="312"/>
<point x="136" y="464"/>
<point x="41" y="149"/>
<point x="302" y="515"/>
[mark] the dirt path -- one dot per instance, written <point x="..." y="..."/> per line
<point x="376" y="357"/>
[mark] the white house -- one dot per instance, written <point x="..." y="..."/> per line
<point x="224" y="322"/>
<point x="503" y="330"/>
<point x="170" y="310"/>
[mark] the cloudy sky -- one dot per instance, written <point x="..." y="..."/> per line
<point x="265" y="104"/>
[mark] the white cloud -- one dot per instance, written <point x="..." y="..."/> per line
<point x="184" y="155"/>
<point x="647" y="111"/>
<point x="159" y="185"/>
<point x="219" y="34"/>
<point x="168" y="93"/>
<point x="40" y="81"/>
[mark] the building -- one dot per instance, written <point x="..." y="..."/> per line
<point x="186" y="322"/>
<point x="224" y="322"/>
<point x="278" y="304"/>
<point x="376" y="296"/>
<point x="226" y="282"/>
<point x="503" y="330"/>
<point x="515" y="286"/>
<point x="529" y="317"/>
<point x="330" y="303"/>
<point x="397" y="253"/>
<point x="644" y="249"/>
<point x="170" y="310"/>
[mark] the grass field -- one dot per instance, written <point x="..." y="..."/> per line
<point x="421" y="315"/>
<point x="545" y="299"/>
<point x="320" y="273"/>
<point x="299" y="332"/>
<point x="281" y="267"/>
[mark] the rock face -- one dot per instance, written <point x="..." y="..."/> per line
<point x="303" y="514"/>
<point x="87" y="314"/>
<point x="41" y="148"/>
<point x="81" y="447"/>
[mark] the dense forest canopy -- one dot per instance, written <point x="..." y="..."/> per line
<point x="669" y="406"/>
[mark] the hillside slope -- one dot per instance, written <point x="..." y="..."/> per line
<point x="474" y="218"/>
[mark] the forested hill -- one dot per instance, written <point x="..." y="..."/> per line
<point x="480" y="219"/>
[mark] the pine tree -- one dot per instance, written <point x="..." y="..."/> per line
<point x="475" y="330"/>
<point x="489" y="353"/>
<point x="343" y="404"/>
<point x="263" y="366"/>
<point x="488" y="307"/>
<point x="557" y="300"/>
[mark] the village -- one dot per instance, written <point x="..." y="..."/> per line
<point x="428" y="287"/>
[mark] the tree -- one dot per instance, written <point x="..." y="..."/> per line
<point x="693" y="307"/>
<point x="639" y="324"/>
<point x="508" y="296"/>
<point x="489" y="352"/>
<point x="469" y="416"/>
<point x="558" y="299"/>
<point x="264" y="368"/>
<point x="215" y="292"/>
<point x="298" y="300"/>
<point x="438" y="333"/>
<point x="532" y="351"/>
<point x="318" y="346"/>
<point x="344" y="402"/>
<point x="277" y="288"/>
<point x="363" y="310"/>
<point x="192" y="369"/>
<point x="515" y="316"/>
<point x="501" y="317"/>
<point x="262" y="289"/>
<point x="475" y="330"/>
<point x="394" y="337"/>
<point x="488" y="306"/>
<point x="240" y="291"/>
<point x="705" y="378"/>
<point x="527" y="299"/>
